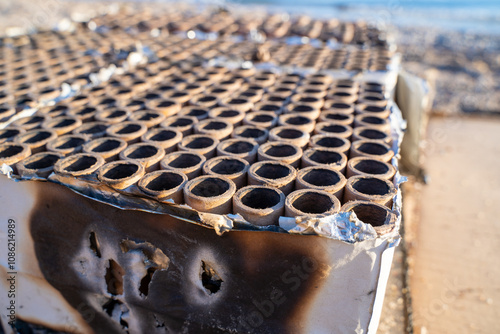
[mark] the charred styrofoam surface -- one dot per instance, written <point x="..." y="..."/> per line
<point x="93" y="267"/>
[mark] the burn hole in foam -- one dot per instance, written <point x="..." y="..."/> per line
<point x="210" y="280"/>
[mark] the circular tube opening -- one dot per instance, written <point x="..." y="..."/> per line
<point x="184" y="160"/>
<point x="164" y="181"/>
<point x="325" y="157"/>
<point x="273" y="171"/>
<point x="121" y="171"/>
<point x="312" y="203"/>
<point x="210" y="187"/>
<point x="373" y="148"/>
<point x="371" y="186"/>
<point x="372" y="167"/>
<point x="321" y="177"/>
<point x="280" y="150"/>
<point x="228" y="167"/>
<point x="259" y="198"/>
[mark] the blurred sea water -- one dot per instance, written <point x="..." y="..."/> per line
<point x="481" y="16"/>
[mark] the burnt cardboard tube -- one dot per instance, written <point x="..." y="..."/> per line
<point x="121" y="174"/>
<point x="364" y="132"/>
<point x="306" y="100"/>
<point x="31" y="122"/>
<point x="378" y="216"/>
<point x="206" y="101"/>
<point x="232" y="116"/>
<point x="239" y="147"/>
<point x="217" y="128"/>
<point x="199" y="112"/>
<point x="36" y="139"/>
<point x="324" y="128"/>
<point x="371" y="121"/>
<point x="317" y="156"/>
<point x="373" y="110"/>
<point x="290" y="134"/>
<point x="130" y="132"/>
<point x="297" y="121"/>
<point x="164" y="106"/>
<point x="67" y="144"/>
<point x="40" y="164"/>
<point x="269" y="106"/>
<point x="260" y="135"/>
<point x="112" y="116"/>
<point x="332" y="142"/>
<point x="80" y="164"/>
<point x="166" y="138"/>
<point x="273" y="174"/>
<point x="9" y="133"/>
<point x="261" y="119"/>
<point x="232" y="167"/>
<point x="370" y="167"/>
<point x="374" y="149"/>
<point x="199" y="143"/>
<point x="189" y="163"/>
<point x="164" y="185"/>
<point x="108" y="148"/>
<point x="12" y="153"/>
<point x="259" y="205"/>
<point x="85" y="113"/>
<point x="150" y="118"/>
<point x="342" y="96"/>
<point x="238" y="103"/>
<point x="311" y="203"/>
<point x="92" y="129"/>
<point x="62" y="125"/>
<point x="336" y="118"/>
<point x="369" y="188"/>
<point x="147" y="154"/>
<point x="339" y="108"/>
<point x="304" y="110"/>
<point x="184" y="124"/>
<point x="210" y="193"/>
<point x="321" y="178"/>
<point x="280" y="151"/>
<point x="6" y="113"/>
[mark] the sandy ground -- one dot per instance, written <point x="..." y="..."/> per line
<point x="454" y="254"/>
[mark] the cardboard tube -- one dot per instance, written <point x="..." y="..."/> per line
<point x="239" y="147"/>
<point x="189" y="163"/>
<point x="269" y="106"/>
<point x="251" y="132"/>
<point x="210" y="193"/>
<point x="233" y="168"/>
<point x="205" y="101"/>
<point x="370" y="189"/>
<point x="259" y="205"/>
<point x="374" y="149"/>
<point x="378" y="216"/>
<point x="80" y="164"/>
<point x="112" y="116"/>
<point x="166" y="138"/>
<point x="342" y="96"/>
<point x="332" y="142"/>
<point x="199" y="112"/>
<point x="232" y="116"/>
<point x="92" y="129"/>
<point x="31" y="122"/>
<point x="365" y="132"/>
<point x="184" y="124"/>
<point x="304" y="110"/>
<point x="306" y="100"/>
<point x="199" y="143"/>
<point x="261" y="119"/>
<point x="273" y="174"/>
<point x="6" y="113"/>
<point x="216" y="128"/>
<point x="373" y="110"/>
<point x="61" y="125"/>
<point x="121" y="174"/>
<point x="237" y="103"/>
<point x="370" y="167"/>
<point x="371" y="121"/>
<point x="323" y="128"/>
<point x="339" y="108"/>
<point x="280" y="151"/>
<point x="9" y="133"/>
<point x="147" y="154"/>
<point x="12" y="153"/>
<point x="317" y="156"/>
<point x="36" y="139"/>
<point x="108" y="148"/>
<point x="40" y="164"/>
<point x="164" y="185"/>
<point x="85" y="113"/>
<point x="297" y="121"/>
<point x="321" y="178"/>
<point x="311" y="203"/>
<point x="67" y="144"/>
<point x="150" y="118"/>
<point x="290" y="134"/>
<point x="164" y="106"/>
<point x="130" y="132"/>
<point x="336" y="118"/>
